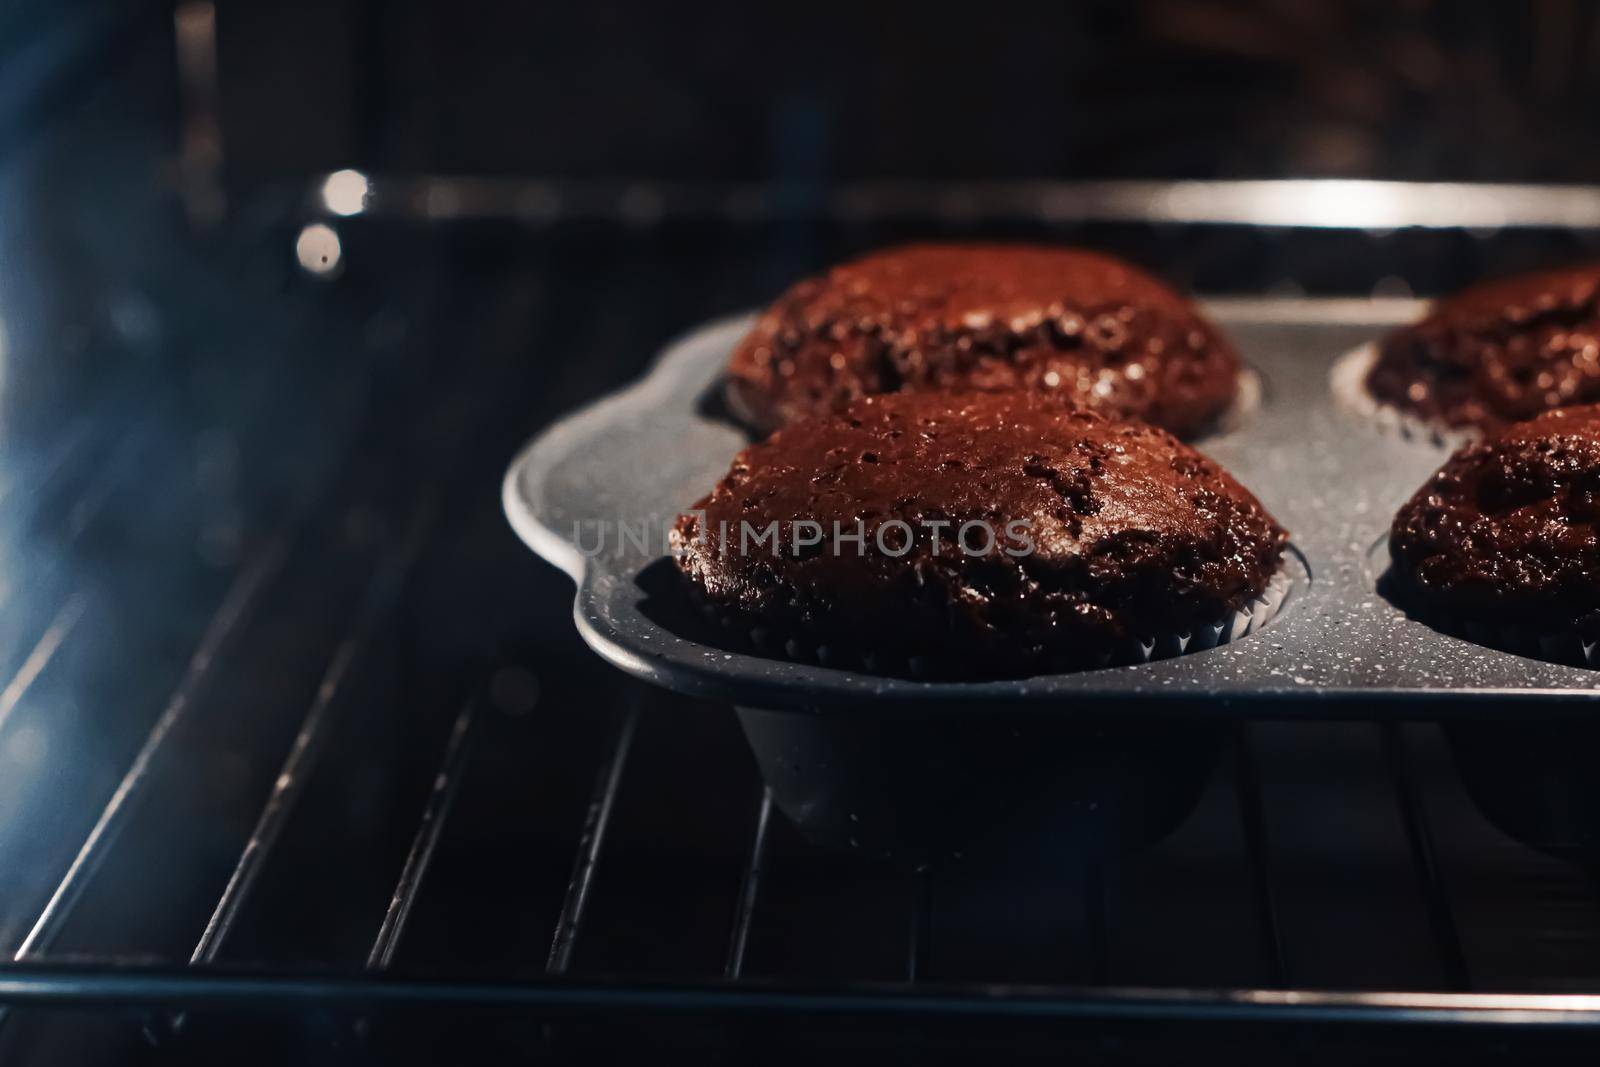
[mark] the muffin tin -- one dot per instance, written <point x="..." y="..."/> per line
<point x="1337" y="647"/>
<point x="1102" y="760"/>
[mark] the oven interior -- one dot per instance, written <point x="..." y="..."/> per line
<point x="302" y="758"/>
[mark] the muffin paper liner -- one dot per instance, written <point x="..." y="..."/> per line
<point x="1348" y="380"/>
<point x="1255" y="614"/>
<point x="1559" y="646"/>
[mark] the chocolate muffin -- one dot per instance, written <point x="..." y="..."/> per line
<point x="1497" y="353"/>
<point x="986" y="317"/>
<point x="1507" y="533"/>
<point x="980" y="534"/>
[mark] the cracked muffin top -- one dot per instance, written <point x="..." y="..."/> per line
<point x="1506" y="531"/>
<point x="982" y="533"/>
<point x="1085" y="326"/>
<point x="1498" y="352"/>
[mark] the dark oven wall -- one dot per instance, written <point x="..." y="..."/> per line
<point x="838" y="91"/>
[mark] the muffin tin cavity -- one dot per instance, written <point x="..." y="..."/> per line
<point x="1552" y="646"/>
<point x="1347" y="381"/>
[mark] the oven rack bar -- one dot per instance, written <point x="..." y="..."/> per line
<point x="446" y="785"/>
<point x="1247" y="793"/>
<point x="209" y="988"/>
<point x="1307" y="203"/>
<point x="596" y="824"/>
<point x="1419" y="839"/>
<point x="235" y="609"/>
<point x="749" y="890"/>
<point x="381" y="598"/>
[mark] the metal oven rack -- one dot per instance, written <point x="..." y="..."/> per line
<point x="350" y="780"/>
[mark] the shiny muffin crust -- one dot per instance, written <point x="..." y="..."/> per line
<point x="1133" y="535"/>
<point x="1498" y="352"/>
<point x="990" y="317"/>
<point x="1505" y="533"/>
